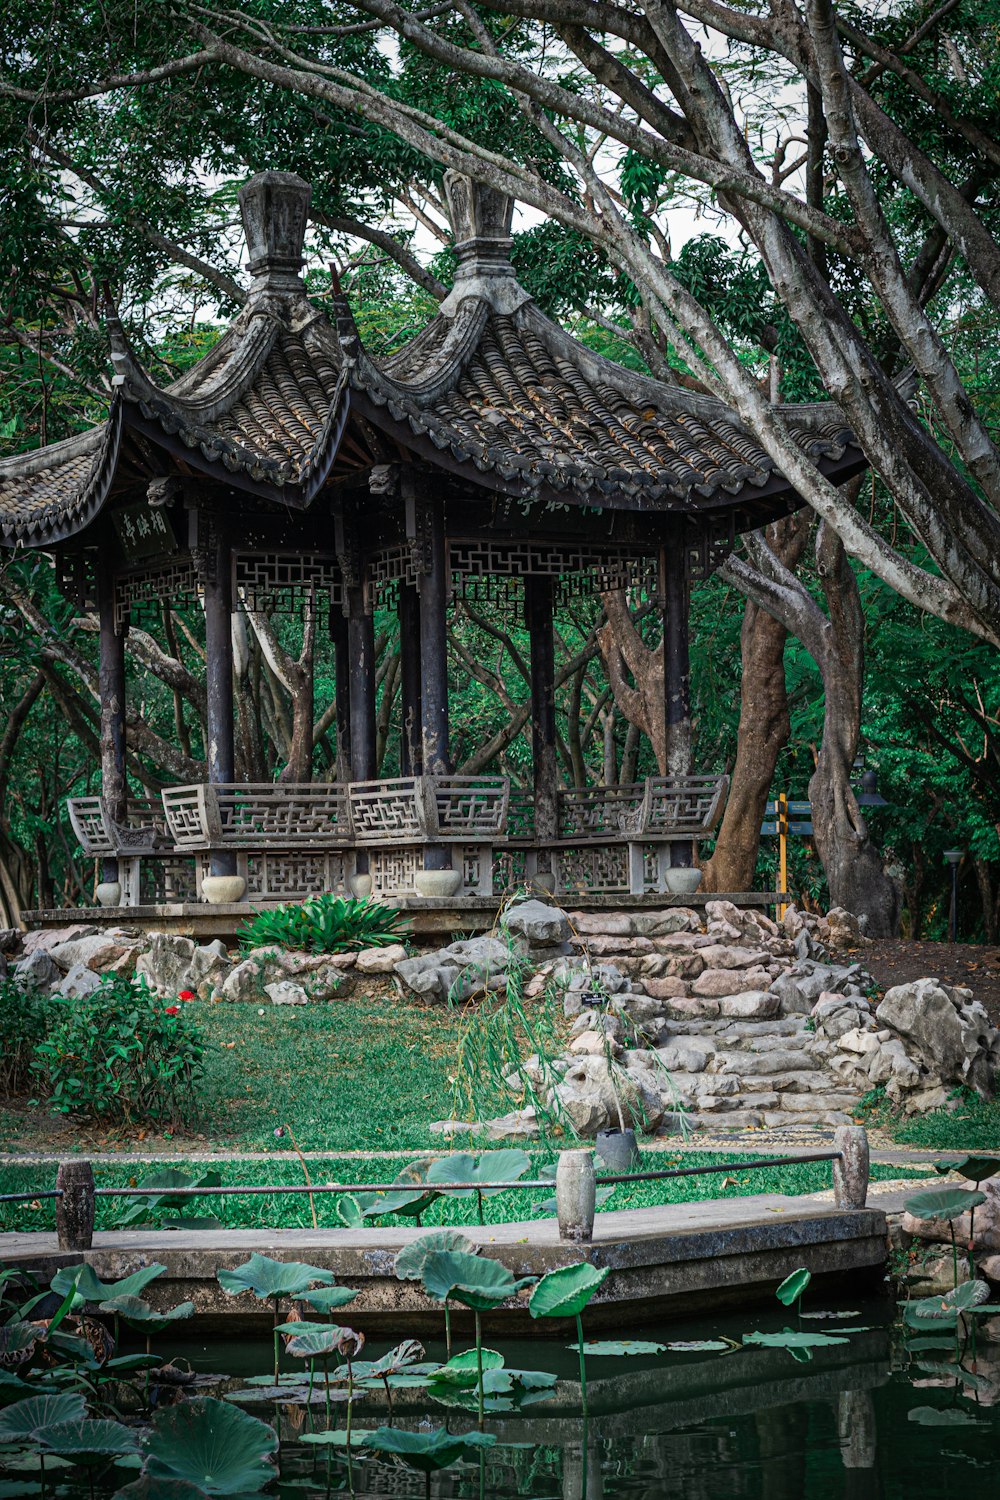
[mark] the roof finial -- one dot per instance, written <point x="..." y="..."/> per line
<point x="480" y="221"/>
<point x="275" y="209"/>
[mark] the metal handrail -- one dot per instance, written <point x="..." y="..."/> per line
<point x="444" y="1187"/>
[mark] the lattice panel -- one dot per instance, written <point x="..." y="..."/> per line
<point x="167" y="880"/>
<point x="86" y="816"/>
<point x="393" y="871"/>
<point x="136" y="594"/>
<point x="475" y="807"/>
<point x="387" y="569"/>
<point x="284" y="582"/>
<point x="76" y="578"/>
<point x="282" y="813"/>
<point x="289" y="876"/>
<point x="596" y="870"/>
<point x="493" y="572"/>
<point x="672" y="806"/>
<point x="385" y="811"/>
<point x="509" y="869"/>
<point x="594" y="812"/>
<point x="710" y="547"/>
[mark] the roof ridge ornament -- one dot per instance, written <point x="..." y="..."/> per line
<point x="275" y="210"/>
<point x="480" y="221"/>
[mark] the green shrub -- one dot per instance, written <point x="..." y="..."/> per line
<point x="121" y="1055"/>
<point x="24" y="1019"/>
<point x="325" y="924"/>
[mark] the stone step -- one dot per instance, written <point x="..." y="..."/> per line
<point x="758" y="1063"/>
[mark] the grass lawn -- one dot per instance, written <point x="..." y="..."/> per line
<point x="287" y="1211"/>
<point x="973" y="1125"/>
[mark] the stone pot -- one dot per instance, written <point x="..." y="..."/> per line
<point x="437" y="883"/>
<point x="223" y="890"/>
<point x="618" y="1150"/>
<point x="545" y="881"/>
<point x="360" y="886"/>
<point x="109" y="893"/>
<point x="681" y="880"/>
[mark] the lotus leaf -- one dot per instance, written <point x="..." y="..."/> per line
<point x="410" y="1260"/>
<point x="428" y="1451"/>
<point x="463" y="1369"/>
<point x="475" y="1280"/>
<point x="492" y="1167"/>
<point x="272" y="1278"/>
<point x="328" y="1298"/>
<point x="565" y="1293"/>
<point x="351" y="1210"/>
<point x="160" y="1489"/>
<point x="853" y="1312"/>
<point x="974" y="1168"/>
<point x="793" y="1286"/>
<point x="968" y="1296"/>
<point x="84" y="1281"/>
<point x="611" y="1348"/>
<point x="338" y="1437"/>
<point x="953" y="1372"/>
<point x="932" y="1416"/>
<point x="17" y="1340"/>
<point x="25" y="1418"/>
<point x="89" y="1441"/>
<point x="701" y="1346"/>
<point x="155" y="1203"/>
<point x="943" y="1203"/>
<point x="138" y="1314"/>
<point x="789" y="1338"/>
<point x="222" y="1450"/>
<point x="405" y="1356"/>
<point x="325" y="1341"/>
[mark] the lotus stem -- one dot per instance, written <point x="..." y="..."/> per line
<point x="583" y="1366"/>
<point x="277" y="1345"/>
<point x="479" y="1205"/>
<point x="954" y="1251"/>
<point x="479" y="1368"/>
<point x="447" y="1329"/>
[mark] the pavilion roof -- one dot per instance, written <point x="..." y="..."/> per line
<point x="491" y="390"/>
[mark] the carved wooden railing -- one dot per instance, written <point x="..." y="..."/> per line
<point x="98" y="833"/>
<point x="252" y="815"/>
<point x="676" y="807"/>
<point x="429" y="809"/>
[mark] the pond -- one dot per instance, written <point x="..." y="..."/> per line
<point x="866" y="1418"/>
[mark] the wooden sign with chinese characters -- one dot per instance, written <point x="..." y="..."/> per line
<point x="144" y="532"/>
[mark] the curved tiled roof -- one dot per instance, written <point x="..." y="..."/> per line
<point x="490" y="389"/>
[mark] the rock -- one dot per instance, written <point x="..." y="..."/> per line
<point x="174" y="963"/>
<point x="78" y="982"/>
<point x="859" y="1041"/>
<point x="655" y="924"/>
<point x="682" y="1059"/>
<point x="245" y="983"/>
<point x="93" y="952"/>
<point x="603" y="924"/>
<point x="632" y="946"/>
<point x="537" y="923"/>
<point x="751" y="1064"/>
<point x="38" y="970"/>
<point x="690" y="1009"/>
<point x="946" y="1030"/>
<point x="986" y="1222"/>
<point x="843" y="928"/>
<point x="50" y="937"/>
<point x="714" y="983"/>
<point x="725" y="956"/>
<point x="458" y="971"/>
<point x="284" y="992"/>
<point x="451" y="1128"/>
<point x="754" y="1005"/>
<point x="10" y="941"/>
<point x="379" y="960"/>
<point x="519" y="1123"/>
<point x="989" y="1267"/>
<point x="594" y="1042"/>
<point x="666" y="988"/>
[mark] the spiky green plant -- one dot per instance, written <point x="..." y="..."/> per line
<point x="325" y="924"/>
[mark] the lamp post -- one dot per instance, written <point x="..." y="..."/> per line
<point x="954" y="859"/>
<point x="869" y="795"/>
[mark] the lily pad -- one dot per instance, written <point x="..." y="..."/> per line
<point x="463" y="1369"/>
<point x="428" y="1451"/>
<point x="829" y="1316"/>
<point x="213" y="1445"/>
<point x="943" y="1203"/>
<point x="610" y="1348"/>
<point x="409" y="1264"/>
<point x="266" y="1278"/>
<point x="475" y="1280"/>
<point x="791" y="1338"/>
<point x="701" y="1346"/>
<point x="89" y="1441"/>
<point x="327" y="1298"/>
<point x="565" y="1293"/>
<point x="933" y="1416"/>
<point x="337" y="1437"/>
<point x="37" y="1413"/>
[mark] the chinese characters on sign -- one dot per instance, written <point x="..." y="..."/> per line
<point x="144" y="532"/>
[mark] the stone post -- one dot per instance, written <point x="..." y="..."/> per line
<point x="856" y="1429"/>
<point x="850" y="1173"/>
<point x="76" y="1208"/>
<point x="576" y="1195"/>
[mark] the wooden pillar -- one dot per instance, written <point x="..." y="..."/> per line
<point x="434" y="660"/>
<point x="111" y="686"/>
<point x="538" y="617"/>
<point x="676" y="670"/>
<point x="220" y="748"/>
<point x="410" y="737"/>
<point x="342" y="691"/>
<point x="361" y="690"/>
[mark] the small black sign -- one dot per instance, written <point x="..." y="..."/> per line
<point x="144" y="531"/>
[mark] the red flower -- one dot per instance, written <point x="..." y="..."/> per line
<point x="172" y="1010"/>
<point x="186" y="995"/>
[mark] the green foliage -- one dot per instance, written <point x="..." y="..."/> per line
<point x="409" y="1263"/>
<point x="565" y="1293"/>
<point x="325" y="924"/>
<point x="117" y="1055"/>
<point x="791" y="1289"/>
<point x="268" y="1278"/>
<point x="475" y="1280"/>
<point x="24" y="1020"/>
<point x="166" y="1209"/>
<point x="943" y="1203"/>
<point x="428" y="1451"/>
<point x="213" y="1445"/>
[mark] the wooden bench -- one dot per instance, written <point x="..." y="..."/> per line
<point x="393" y="820"/>
<point x="144" y="835"/>
<point x="672" y="809"/>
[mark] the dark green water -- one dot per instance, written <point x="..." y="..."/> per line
<point x="755" y="1424"/>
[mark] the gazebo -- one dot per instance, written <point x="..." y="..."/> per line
<point x="493" y="456"/>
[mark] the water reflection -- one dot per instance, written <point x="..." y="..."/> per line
<point x="830" y="1423"/>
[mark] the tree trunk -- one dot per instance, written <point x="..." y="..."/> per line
<point x="855" y="871"/>
<point x="764" y="725"/>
